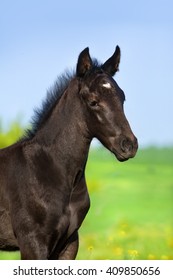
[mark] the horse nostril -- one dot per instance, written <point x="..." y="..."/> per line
<point x="126" y="145"/>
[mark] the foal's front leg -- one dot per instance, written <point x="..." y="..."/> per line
<point x="32" y="247"/>
<point x="71" y="249"/>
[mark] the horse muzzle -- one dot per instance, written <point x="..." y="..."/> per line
<point x="127" y="148"/>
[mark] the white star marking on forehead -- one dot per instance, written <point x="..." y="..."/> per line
<point x="107" y="85"/>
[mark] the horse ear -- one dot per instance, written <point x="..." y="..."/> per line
<point x="84" y="63"/>
<point x="111" y="66"/>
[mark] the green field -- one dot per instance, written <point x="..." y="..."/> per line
<point x="131" y="207"/>
<point x="131" y="215"/>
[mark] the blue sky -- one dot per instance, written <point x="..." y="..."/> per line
<point x="40" y="39"/>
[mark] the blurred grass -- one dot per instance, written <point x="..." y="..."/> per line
<point x="131" y="204"/>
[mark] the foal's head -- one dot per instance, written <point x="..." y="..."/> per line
<point x="103" y="101"/>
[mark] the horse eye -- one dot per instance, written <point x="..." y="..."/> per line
<point x="93" y="103"/>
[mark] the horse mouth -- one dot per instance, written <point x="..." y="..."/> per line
<point x="124" y="156"/>
<point x="121" y="157"/>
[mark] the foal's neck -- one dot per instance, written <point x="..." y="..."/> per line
<point x="65" y="133"/>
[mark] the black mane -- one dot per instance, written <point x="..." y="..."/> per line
<point x="53" y="96"/>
